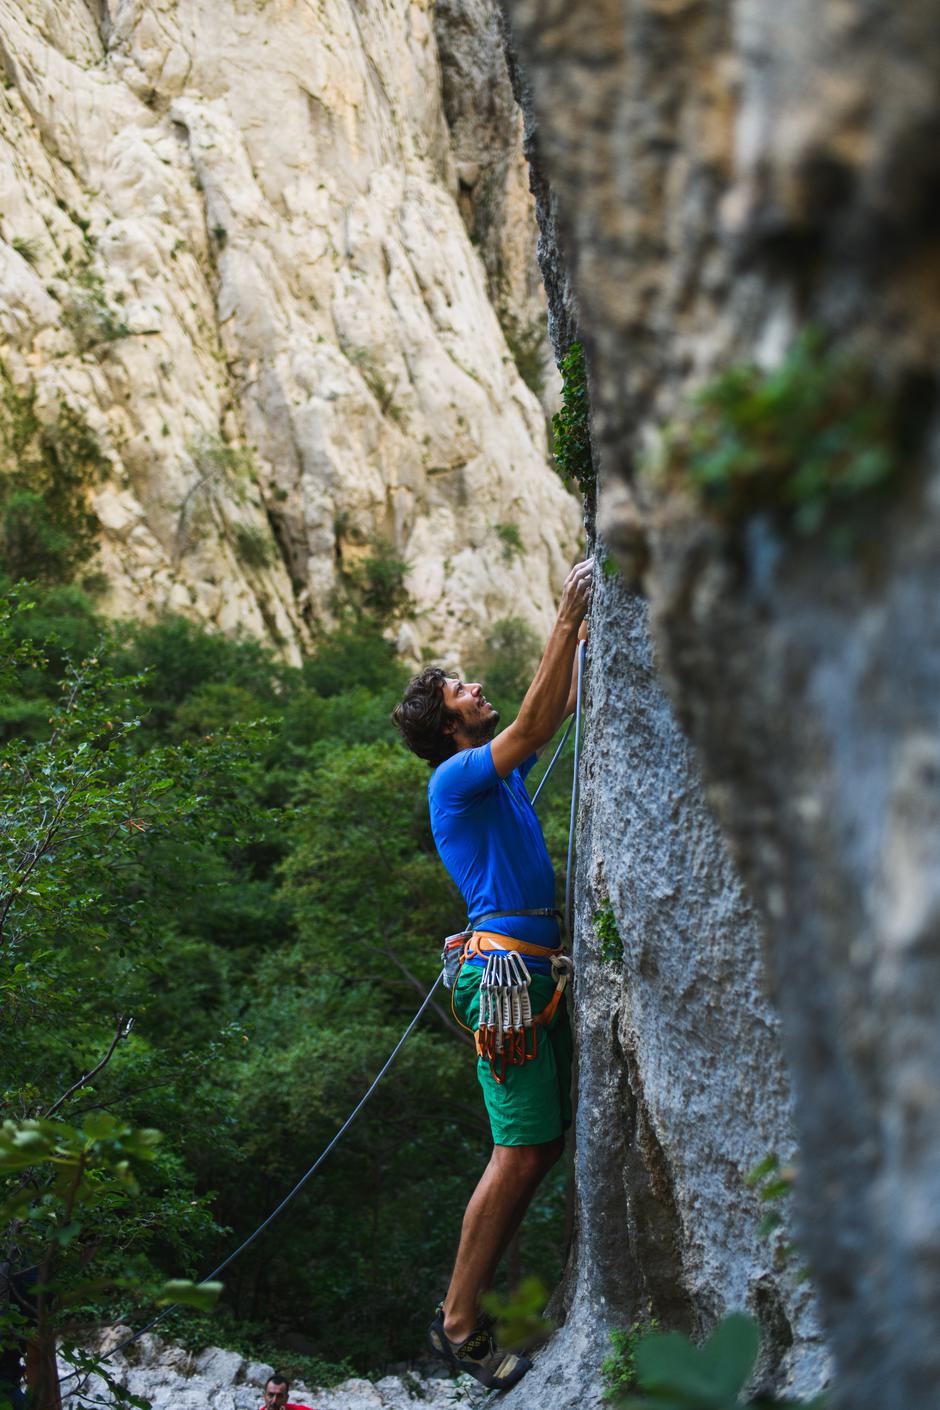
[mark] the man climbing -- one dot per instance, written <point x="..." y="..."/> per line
<point x="490" y="840"/>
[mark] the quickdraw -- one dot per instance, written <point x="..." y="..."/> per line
<point x="507" y="1030"/>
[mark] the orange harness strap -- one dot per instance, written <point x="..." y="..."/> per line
<point x="484" y="942"/>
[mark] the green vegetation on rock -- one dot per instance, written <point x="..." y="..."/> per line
<point x="88" y="312"/>
<point x="511" y="540"/>
<point x="619" y="1368"/>
<point x="571" y="425"/>
<point x="811" y="442"/>
<point x="254" y="547"/>
<point x="609" y="938"/>
<point x="26" y="248"/>
<point x="671" y="1373"/>
<point x="50" y="460"/>
<point x="526" y="343"/>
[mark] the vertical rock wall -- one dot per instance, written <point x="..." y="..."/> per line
<point x="726" y="174"/>
<point x="681" y="1084"/>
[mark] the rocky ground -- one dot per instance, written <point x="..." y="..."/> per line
<point x="214" y="1379"/>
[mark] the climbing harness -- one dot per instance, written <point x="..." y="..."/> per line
<point x="506" y="1034"/>
<point x="452" y="954"/>
<point x="516" y="996"/>
<point x="507" y="1030"/>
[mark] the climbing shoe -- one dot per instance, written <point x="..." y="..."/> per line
<point x="478" y="1354"/>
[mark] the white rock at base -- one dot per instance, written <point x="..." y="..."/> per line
<point x="258" y="1373"/>
<point x="223" y="1367"/>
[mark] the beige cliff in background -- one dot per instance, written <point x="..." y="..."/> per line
<point x="232" y="237"/>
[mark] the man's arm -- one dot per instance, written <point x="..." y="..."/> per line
<point x="546" y="698"/>
<point x="571" y="702"/>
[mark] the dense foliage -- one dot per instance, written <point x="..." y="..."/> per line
<point x="219" y="876"/>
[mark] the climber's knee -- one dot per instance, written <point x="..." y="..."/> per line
<point x="529" y="1163"/>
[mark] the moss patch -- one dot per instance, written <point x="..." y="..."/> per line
<point x="608" y="936"/>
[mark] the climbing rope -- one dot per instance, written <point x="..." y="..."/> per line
<point x="164" y="1312"/>
<point x="569" y="916"/>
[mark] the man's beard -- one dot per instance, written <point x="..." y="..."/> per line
<point x="481" y="733"/>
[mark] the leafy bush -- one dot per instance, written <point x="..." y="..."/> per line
<point x="254" y="547"/>
<point x="90" y="824"/>
<point x="88" y="312"/>
<point x="619" y="1368"/>
<point x="375" y="585"/>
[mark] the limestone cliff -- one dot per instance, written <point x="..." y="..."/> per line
<point x="231" y="238"/>
<point x="725" y="176"/>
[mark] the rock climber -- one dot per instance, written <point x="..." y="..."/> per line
<point x="489" y="838"/>
<point x="276" y="1391"/>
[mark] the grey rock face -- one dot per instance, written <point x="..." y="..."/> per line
<point x="725" y="174"/>
<point x="681" y="1085"/>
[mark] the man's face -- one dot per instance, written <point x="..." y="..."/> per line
<point x="275" y="1395"/>
<point x="478" y="718"/>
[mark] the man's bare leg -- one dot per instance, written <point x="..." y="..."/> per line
<point x="492" y="1217"/>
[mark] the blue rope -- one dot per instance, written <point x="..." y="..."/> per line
<point x="569" y="917"/>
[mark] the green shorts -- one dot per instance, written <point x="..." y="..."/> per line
<point x="532" y="1104"/>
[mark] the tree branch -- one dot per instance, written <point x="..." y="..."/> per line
<point x="124" y="1027"/>
<point x="422" y="989"/>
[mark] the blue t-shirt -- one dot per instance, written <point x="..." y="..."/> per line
<point x="490" y="840"/>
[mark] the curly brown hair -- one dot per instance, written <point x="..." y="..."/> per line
<point x="422" y="715"/>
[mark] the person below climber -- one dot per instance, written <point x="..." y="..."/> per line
<point x="276" y="1391"/>
<point x="489" y="838"/>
